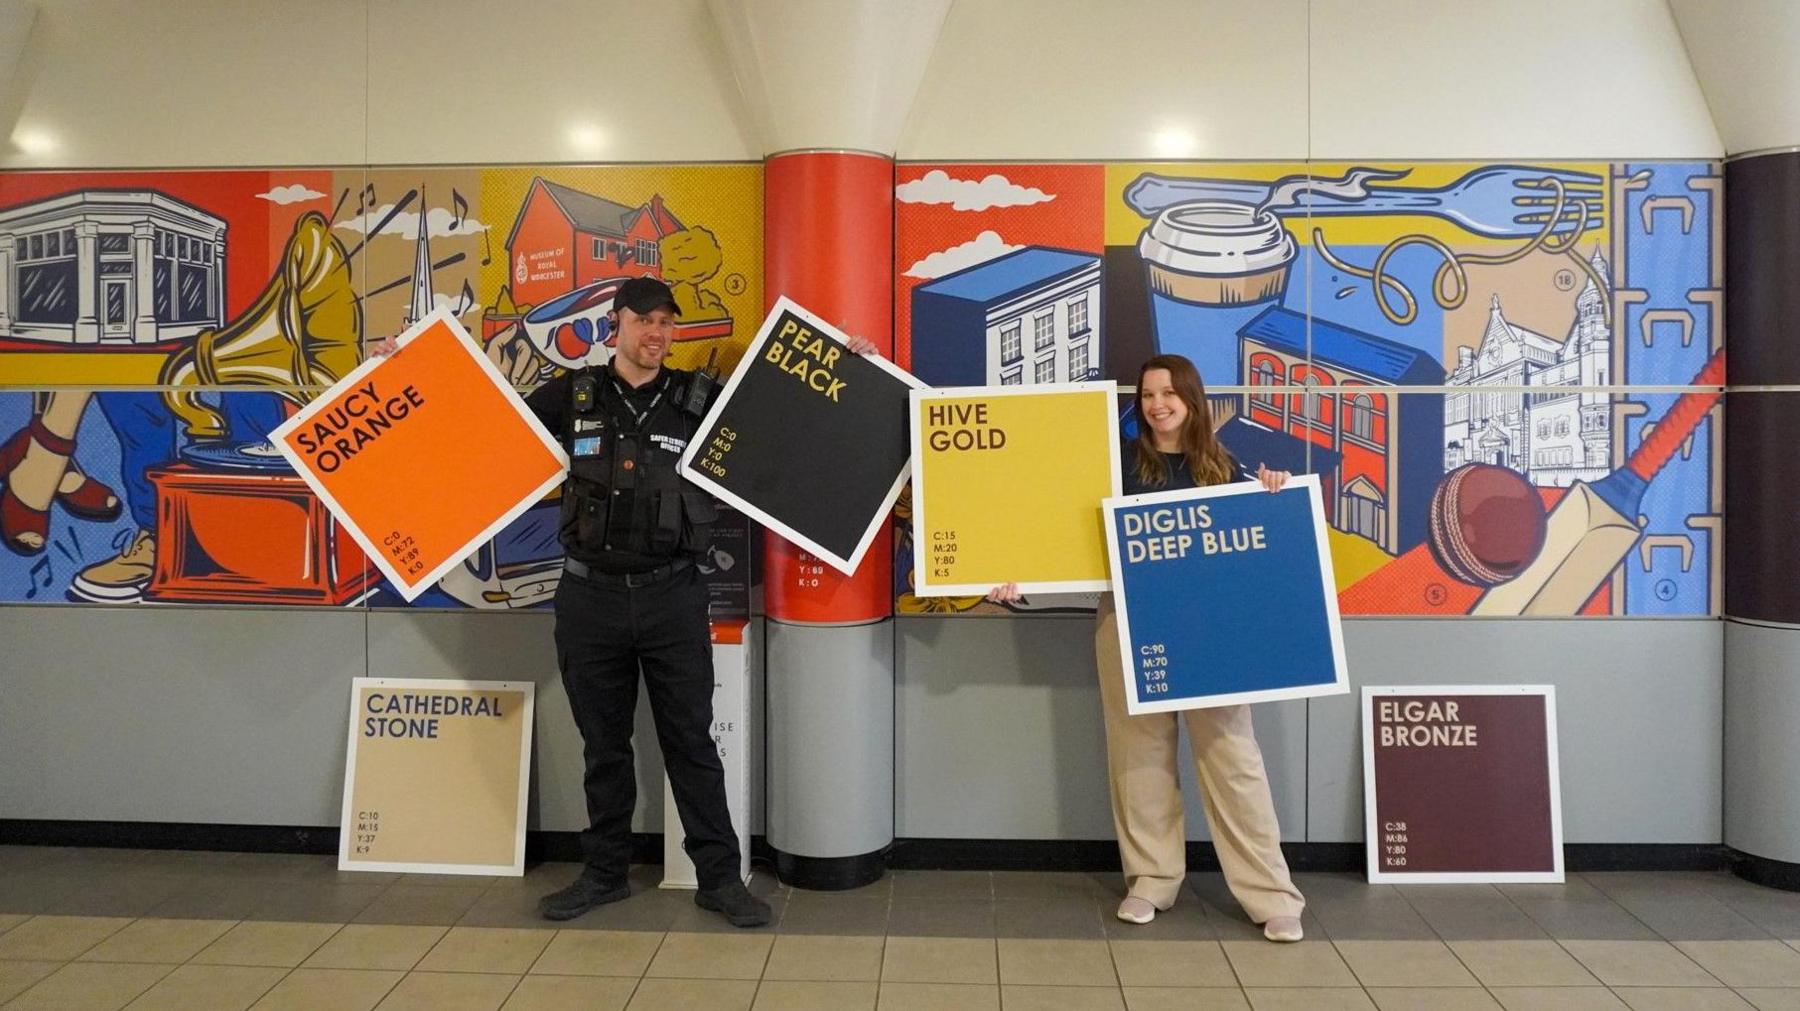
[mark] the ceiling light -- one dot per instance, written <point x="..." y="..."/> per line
<point x="1175" y="142"/>
<point x="34" y="141"/>
<point x="586" y="138"/>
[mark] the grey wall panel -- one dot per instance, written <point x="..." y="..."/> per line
<point x="519" y="646"/>
<point x="515" y="647"/>
<point x="176" y="715"/>
<point x="1639" y="712"/>
<point x="998" y="734"/>
<point x="239" y="716"/>
<point x="1762" y="751"/>
<point x="830" y="745"/>
<point x="756" y="640"/>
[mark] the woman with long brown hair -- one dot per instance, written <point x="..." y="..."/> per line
<point x="1175" y="448"/>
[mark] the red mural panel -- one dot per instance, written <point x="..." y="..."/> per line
<point x="257" y="227"/>
<point x="953" y="216"/>
<point x="823" y="215"/>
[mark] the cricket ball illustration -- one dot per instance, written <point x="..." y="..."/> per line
<point x="1487" y="524"/>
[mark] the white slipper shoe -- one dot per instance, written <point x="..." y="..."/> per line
<point x="1283" y="929"/>
<point x="1136" y="910"/>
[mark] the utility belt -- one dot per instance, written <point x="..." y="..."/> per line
<point x="627" y="580"/>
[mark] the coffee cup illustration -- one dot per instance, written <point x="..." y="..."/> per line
<point x="1210" y="264"/>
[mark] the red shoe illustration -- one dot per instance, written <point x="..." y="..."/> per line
<point x="88" y="499"/>
<point x="25" y="529"/>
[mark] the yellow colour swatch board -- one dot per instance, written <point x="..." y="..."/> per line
<point x="1007" y="483"/>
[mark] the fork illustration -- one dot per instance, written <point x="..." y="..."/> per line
<point x="1495" y="201"/>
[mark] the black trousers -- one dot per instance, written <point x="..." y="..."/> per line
<point x="605" y="635"/>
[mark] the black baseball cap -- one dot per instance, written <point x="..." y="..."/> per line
<point x="643" y="295"/>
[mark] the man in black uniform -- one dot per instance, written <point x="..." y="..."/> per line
<point x="631" y="599"/>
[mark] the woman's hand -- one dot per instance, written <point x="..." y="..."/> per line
<point x="383" y="347"/>
<point x="1271" y="480"/>
<point x="1005" y="593"/>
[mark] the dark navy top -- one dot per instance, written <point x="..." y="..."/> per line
<point x="1179" y="477"/>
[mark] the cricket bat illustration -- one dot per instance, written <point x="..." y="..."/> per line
<point x="1595" y="526"/>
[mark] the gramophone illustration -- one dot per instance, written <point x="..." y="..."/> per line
<point x="233" y="522"/>
<point x="304" y="330"/>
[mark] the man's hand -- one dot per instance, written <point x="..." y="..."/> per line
<point x="1005" y="593"/>
<point x="1271" y="479"/>
<point x="858" y="344"/>
<point x="383" y="347"/>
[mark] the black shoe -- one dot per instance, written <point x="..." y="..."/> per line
<point x="736" y="902"/>
<point x="584" y="894"/>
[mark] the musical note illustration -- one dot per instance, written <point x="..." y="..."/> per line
<point x="399" y="206"/>
<point x="43" y="565"/>
<point x="459" y="210"/>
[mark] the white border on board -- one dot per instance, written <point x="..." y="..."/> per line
<point x="347" y="824"/>
<point x="753" y="351"/>
<point x="377" y="557"/>
<point x="1372" y="839"/>
<point x="918" y="396"/>
<point x="1340" y="683"/>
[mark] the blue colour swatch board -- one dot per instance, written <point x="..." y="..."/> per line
<point x="1225" y="595"/>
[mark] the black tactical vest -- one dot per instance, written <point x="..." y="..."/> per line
<point x="625" y="505"/>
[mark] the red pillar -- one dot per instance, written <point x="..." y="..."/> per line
<point x="828" y="241"/>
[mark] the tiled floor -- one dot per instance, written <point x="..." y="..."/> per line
<point x="97" y="929"/>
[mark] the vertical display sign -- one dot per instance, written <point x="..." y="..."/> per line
<point x="733" y="645"/>
<point x="1460" y="784"/>
<point x="436" y="777"/>
<point x="1007" y="486"/>
<point x="725" y="567"/>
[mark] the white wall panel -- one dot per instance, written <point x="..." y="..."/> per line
<point x="468" y="81"/>
<point x="871" y="69"/>
<point x="127" y="84"/>
<point x="1519" y="79"/>
<point x="1746" y="54"/>
<point x="1072" y="79"/>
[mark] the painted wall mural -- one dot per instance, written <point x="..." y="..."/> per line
<point x="1474" y="358"/>
<point x="154" y="327"/>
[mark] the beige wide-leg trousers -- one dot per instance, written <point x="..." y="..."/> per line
<point x="1141" y="754"/>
